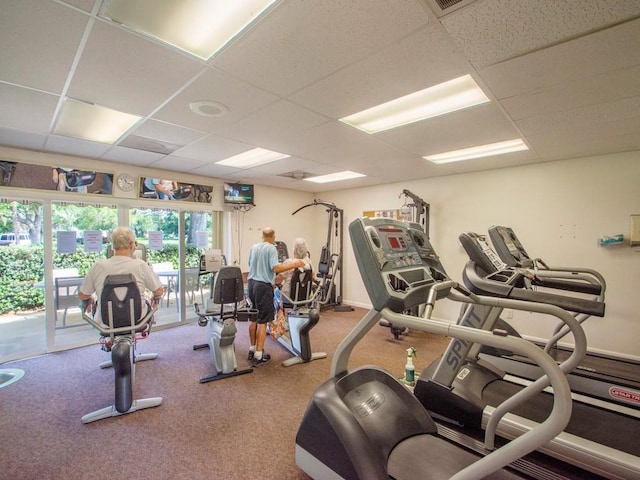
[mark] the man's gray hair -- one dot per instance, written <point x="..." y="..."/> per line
<point x="122" y="237"/>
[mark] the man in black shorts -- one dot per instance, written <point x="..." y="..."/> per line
<point x="263" y="268"/>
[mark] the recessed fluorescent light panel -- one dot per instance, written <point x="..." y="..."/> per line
<point x="334" y="177"/>
<point x="199" y="27"/>
<point x="252" y="158"/>
<point x="488" y="150"/>
<point x="447" y="97"/>
<point x="92" y="122"/>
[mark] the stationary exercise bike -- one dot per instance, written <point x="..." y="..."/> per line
<point x="221" y="315"/>
<point x="123" y="323"/>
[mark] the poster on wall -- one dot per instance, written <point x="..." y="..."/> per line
<point x="63" y="179"/>
<point x="392" y="213"/>
<point x="163" y="189"/>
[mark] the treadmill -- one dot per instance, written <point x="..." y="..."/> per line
<point x="597" y="440"/>
<point x="364" y="424"/>
<point x="612" y="379"/>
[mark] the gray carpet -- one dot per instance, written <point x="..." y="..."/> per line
<point x="242" y="427"/>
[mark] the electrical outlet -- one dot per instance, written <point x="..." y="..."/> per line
<point x="508" y="313"/>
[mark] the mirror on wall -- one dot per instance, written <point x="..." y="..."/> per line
<point x="61" y="178"/>
<point x="163" y="189"/>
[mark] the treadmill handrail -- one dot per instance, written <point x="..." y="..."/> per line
<point x="588" y="271"/>
<point x="483" y="286"/>
<point x="531" y="440"/>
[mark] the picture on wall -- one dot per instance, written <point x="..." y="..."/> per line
<point x="162" y="189"/>
<point x="63" y="179"/>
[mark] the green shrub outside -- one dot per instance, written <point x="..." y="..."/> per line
<point x="22" y="267"/>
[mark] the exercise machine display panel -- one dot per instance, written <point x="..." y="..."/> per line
<point x="397" y="262"/>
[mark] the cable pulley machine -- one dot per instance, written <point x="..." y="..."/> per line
<point x="330" y="264"/>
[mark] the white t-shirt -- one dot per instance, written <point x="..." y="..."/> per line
<point x="146" y="278"/>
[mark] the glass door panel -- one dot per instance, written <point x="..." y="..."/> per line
<point x="198" y="238"/>
<point x="157" y="229"/>
<point x="80" y="236"/>
<point x="22" y="316"/>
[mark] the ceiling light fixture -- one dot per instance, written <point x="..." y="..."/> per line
<point x="252" y="158"/>
<point x="334" y="177"/>
<point x="92" y="122"/>
<point x="197" y="27"/>
<point x="457" y="94"/>
<point x="481" y="151"/>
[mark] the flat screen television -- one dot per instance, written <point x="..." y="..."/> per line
<point x="238" y="194"/>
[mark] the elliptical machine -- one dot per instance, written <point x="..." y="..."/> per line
<point x="301" y="318"/>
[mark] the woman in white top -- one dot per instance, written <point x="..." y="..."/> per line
<point x="300" y="252"/>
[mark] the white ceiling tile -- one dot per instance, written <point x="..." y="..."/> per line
<point x="473" y="126"/>
<point x="213" y="148"/>
<point x="129" y="73"/>
<point x="264" y="128"/>
<point x="23" y="139"/>
<point x="408" y="67"/>
<point x="241" y="98"/>
<point x="302" y="42"/>
<point x="610" y="50"/>
<point x="590" y="116"/>
<point x="600" y="89"/>
<point x="492" y="31"/>
<point x="75" y="146"/>
<point x="39" y="41"/>
<point x="26" y="109"/>
<point x="169" y="162"/>
<point x="131" y="156"/>
<point x="167" y="132"/>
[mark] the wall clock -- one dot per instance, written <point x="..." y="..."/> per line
<point x="126" y="182"/>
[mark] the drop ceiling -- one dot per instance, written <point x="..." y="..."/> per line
<point x="563" y="76"/>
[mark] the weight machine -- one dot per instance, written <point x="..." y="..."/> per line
<point x="416" y="212"/>
<point x="330" y="264"/>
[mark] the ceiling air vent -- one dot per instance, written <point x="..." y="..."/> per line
<point x="296" y="175"/>
<point x="444" y="7"/>
<point x="149" y="145"/>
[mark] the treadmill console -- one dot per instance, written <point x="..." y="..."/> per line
<point x="509" y="248"/>
<point x="486" y="262"/>
<point x="397" y="262"/>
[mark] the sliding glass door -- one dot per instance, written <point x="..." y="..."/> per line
<point x="47" y="247"/>
<point x="79" y="237"/>
<point x="22" y="319"/>
<point x="174" y="241"/>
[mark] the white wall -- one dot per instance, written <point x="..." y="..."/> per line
<point x="559" y="210"/>
<point x="274" y="208"/>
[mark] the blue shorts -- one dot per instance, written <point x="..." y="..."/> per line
<point x="261" y="296"/>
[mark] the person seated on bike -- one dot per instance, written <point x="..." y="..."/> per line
<point x="123" y="242"/>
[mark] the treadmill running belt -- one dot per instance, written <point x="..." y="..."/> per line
<point x="613" y="430"/>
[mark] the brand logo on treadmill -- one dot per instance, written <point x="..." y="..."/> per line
<point x="630" y="396"/>
<point x="370" y="405"/>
